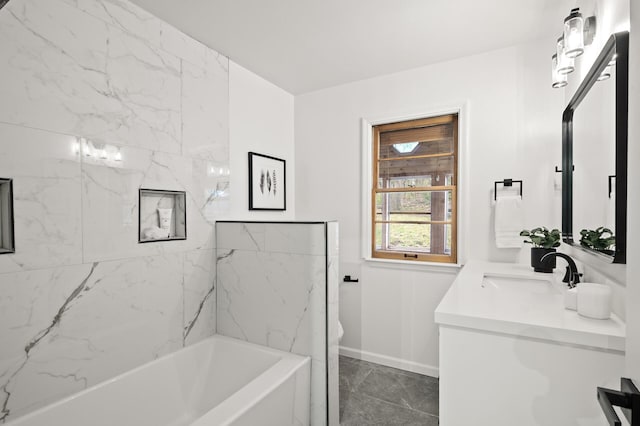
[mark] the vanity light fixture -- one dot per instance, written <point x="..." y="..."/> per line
<point x="557" y="80"/>
<point x="577" y="33"/>
<point x="564" y="64"/>
<point x="574" y="34"/>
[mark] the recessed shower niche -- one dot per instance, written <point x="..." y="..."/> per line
<point x="7" y="244"/>
<point x="162" y="215"/>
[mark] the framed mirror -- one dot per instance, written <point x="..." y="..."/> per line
<point x="594" y="156"/>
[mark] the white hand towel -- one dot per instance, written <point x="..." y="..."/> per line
<point x="509" y="221"/>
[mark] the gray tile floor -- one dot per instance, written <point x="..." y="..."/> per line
<point x="373" y="394"/>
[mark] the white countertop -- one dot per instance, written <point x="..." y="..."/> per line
<point x="542" y="316"/>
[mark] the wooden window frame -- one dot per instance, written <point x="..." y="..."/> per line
<point x="409" y="255"/>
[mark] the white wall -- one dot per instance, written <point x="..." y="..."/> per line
<point x="633" y="214"/>
<point x="261" y="120"/>
<point x="513" y="128"/>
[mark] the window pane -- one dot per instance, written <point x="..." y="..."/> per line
<point x="402" y="237"/>
<point x="436" y="171"/>
<point x="414" y="206"/>
<point x="420" y="141"/>
<point x="433" y="239"/>
<point x="440" y="239"/>
<point x="412" y="159"/>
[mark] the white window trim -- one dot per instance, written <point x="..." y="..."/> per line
<point x="460" y="108"/>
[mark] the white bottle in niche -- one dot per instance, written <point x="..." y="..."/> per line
<point x="165" y="220"/>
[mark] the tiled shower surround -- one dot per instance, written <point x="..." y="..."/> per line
<point x="278" y="287"/>
<point x="98" y="99"/>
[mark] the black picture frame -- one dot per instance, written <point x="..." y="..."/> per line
<point x="267" y="190"/>
<point x="618" y="45"/>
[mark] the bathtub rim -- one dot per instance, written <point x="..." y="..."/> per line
<point x="290" y="360"/>
<point x="240" y="402"/>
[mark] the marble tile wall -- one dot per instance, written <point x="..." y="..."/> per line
<point x="97" y="99"/>
<point x="273" y="282"/>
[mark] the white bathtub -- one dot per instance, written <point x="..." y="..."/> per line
<point x="219" y="381"/>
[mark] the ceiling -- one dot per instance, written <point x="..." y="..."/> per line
<point x="305" y="45"/>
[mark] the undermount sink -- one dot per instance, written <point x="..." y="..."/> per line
<point x="519" y="285"/>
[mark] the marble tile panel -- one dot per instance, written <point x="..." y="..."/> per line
<point x="205" y="112"/>
<point x="110" y="204"/>
<point x="298" y="238"/>
<point x="54" y="66"/>
<point x="185" y="47"/>
<point x="69" y="72"/>
<point x="199" y="295"/>
<point x="125" y="16"/>
<point x="213" y="182"/>
<point x="273" y="299"/>
<point x="240" y="235"/>
<point x="139" y="23"/>
<point x="79" y="325"/>
<point x="277" y="300"/>
<point x="147" y="84"/>
<point x="28" y="302"/>
<point x="46" y="191"/>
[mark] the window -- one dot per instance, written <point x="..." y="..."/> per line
<point x="413" y="199"/>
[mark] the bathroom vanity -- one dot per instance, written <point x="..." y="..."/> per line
<point x="511" y="354"/>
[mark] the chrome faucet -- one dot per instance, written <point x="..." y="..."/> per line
<point x="572" y="276"/>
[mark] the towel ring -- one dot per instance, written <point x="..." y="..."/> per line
<point x="505" y="182"/>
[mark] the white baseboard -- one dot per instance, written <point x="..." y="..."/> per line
<point x="389" y="361"/>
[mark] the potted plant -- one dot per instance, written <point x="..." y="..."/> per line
<point x="544" y="241"/>
<point x="600" y="239"/>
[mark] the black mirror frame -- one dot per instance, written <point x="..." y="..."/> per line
<point x="617" y="44"/>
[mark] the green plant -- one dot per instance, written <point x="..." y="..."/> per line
<point x="600" y="239"/>
<point x="542" y="237"/>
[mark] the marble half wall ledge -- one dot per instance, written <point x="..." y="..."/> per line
<point x="276" y="237"/>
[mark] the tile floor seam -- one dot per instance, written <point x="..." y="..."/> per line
<point x="397" y="405"/>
